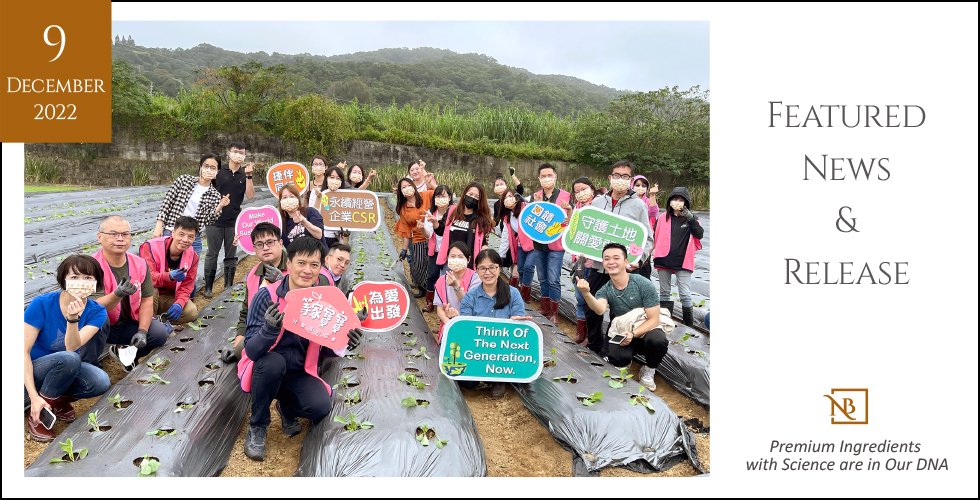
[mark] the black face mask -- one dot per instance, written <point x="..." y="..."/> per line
<point x="470" y="203"/>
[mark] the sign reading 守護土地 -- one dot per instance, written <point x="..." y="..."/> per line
<point x="590" y="229"/>
<point x="495" y="350"/>
<point x="542" y="221"/>
<point x="350" y="209"/>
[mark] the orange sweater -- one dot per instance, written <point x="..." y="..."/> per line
<point x="409" y="217"/>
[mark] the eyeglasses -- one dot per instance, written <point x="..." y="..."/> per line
<point x="341" y="260"/>
<point x="487" y="269"/>
<point x="265" y="244"/>
<point x="117" y="236"/>
<point x="624" y="177"/>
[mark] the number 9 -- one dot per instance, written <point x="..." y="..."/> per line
<point x="60" y="42"/>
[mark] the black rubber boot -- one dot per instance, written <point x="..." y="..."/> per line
<point x="229" y="277"/>
<point x="209" y="285"/>
<point x="667" y="306"/>
<point x="688" y="316"/>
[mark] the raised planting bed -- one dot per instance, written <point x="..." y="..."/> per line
<point x="394" y="413"/>
<point x="181" y="407"/>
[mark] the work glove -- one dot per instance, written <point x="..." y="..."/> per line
<point x="273" y="317"/>
<point x="403" y="254"/>
<point x="174" y="311"/>
<point x="271" y="274"/>
<point x="125" y="289"/>
<point x="687" y="215"/>
<point x="178" y="275"/>
<point x="354" y="338"/>
<point x="139" y="339"/>
<point x="227" y="354"/>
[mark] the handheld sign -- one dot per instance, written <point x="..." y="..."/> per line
<point x="494" y="350"/>
<point x="251" y="217"/>
<point x="590" y="229"/>
<point x="284" y="173"/>
<point x="542" y="221"/>
<point x="350" y="209"/>
<point x="321" y="315"/>
<point x="386" y="303"/>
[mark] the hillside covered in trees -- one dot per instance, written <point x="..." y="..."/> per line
<point x="420" y="76"/>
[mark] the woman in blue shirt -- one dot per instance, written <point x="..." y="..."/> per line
<point x="495" y="298"/>
<point x="56" y="325"/>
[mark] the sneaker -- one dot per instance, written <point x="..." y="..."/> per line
<point x="646" y="378"/>
<point x="290" y="426"/>
<point x="255" y="443"/>
<point x="125" y="355"/>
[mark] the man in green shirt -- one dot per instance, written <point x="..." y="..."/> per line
<point x="624" y="294"/>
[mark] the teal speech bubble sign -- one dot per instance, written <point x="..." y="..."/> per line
<point x="490" y="349"/>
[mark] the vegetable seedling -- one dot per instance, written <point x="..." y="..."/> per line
<point x="640" y="399"/>
<point x="411" y="402"/>
<point x="351" y="423"/>
<point x="421" y="353"/>
<point x="149" y="466"/>
<point x="412" y="380"/>
<point x="68" y="447"/>
<point x="352" y="398"/>
<point x="589" y="399"/>
<point x="158" y="364"/>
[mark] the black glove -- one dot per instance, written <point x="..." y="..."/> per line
<point x="512" y="171"/>
<point x="403" y="254"/>
<point x="139" y="340"/>
<point x="273" y="317"/>
<point x="354" y="338"/>
<point x="227" y="354"/>
<point x="344" y="233"/>
<point x="271" y="274"/>
<point x="362" y="314"/>
<point x="687" y="215"/>
<point x="125" y="289"/>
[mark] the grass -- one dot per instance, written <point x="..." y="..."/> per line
<point x="52" y="188"/>
<point x="37" y="171"/>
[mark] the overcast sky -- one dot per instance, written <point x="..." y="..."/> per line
<point x="639" y="56"/>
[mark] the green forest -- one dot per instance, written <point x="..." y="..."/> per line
<point x="425" y="97"/>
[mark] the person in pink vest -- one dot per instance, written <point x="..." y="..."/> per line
<point x="547" y="258"/>
<point x="515" y="246"/>
<point x="127" y="294"/>
<point x="677" y="236"/>
<point x="278" y="364"/>
<point x="173" y="267"/>
<point x="434" y="228"/>
<point x="452" y="286"/>
<point x="584" y="192"/>
<point x="468" y="221"/>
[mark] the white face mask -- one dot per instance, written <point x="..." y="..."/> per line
<point x="236" y="157"/>
<point x="677" y="204"/>
<point x="333" y="184"/>
<point x="640" y="190"/>
<point x="509" y="202"/>
<point x="499" y="189"/>
<point x="442" y="201"/>
<point x="355" y="178"/>
<point x="547" y="182"/>
<point x="408" y="191"/>
<point x="619" y="184"/>
<point x="456" y="263"/>
<point x="80" y="288"/>
<point x="319" y="169"/>
<point x="584" y="195"/>
<point x="209" y="174"/>
<point x="289" y="204"/>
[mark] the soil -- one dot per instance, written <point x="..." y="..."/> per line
<point x="515" y="443"/>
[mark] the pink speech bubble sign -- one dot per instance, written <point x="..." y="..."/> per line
<point x="249" y="218"/>
<point x="320" y="314"/>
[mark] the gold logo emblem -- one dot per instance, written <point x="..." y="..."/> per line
<point x="848" y="406"/>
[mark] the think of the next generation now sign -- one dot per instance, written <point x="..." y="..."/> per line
<point x="489" y="349"/>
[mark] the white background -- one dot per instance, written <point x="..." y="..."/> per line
<point x="777" y="349"/>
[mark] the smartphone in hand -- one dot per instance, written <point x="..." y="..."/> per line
<point x="617" y="339"/>
<point x="47" y="418"/>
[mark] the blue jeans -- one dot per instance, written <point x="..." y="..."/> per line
<point x="548" y="265"/>
<point x="65" y="374"/>
<point x="580" y="307"/>
<point x="524" y="270"/>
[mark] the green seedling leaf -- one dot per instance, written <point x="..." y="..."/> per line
<point x="440" y="443"/>
<point x="93" y="420"/>
<point x="82" y="453"/>
<point x="154" y="378"/>
<point x="352" y="398"/>
<point x="194" y="325"/>
<point x="162" y="432"/>
<point x="158" y="364"/>
<point x="355" y="356"/>
<point x="606" y="374"/>
<point x="149" y="466"/>
<point x="411" y="343"/>
<point x="615" y="384"/>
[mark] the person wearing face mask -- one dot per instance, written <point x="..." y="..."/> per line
<point x="678" y="236"/>
<point x="547" y="258"/>
<point x="56" y="325"/>
<point x="318" y="184"/>
<point x="357" y="180"/>
<point x="434" y="228"/>
<point x="173" y="266"/>
<point x="499" y="186"/>
<point x="193" y="197"/>
<point x="452" y="286"/>
<point x="620" y="200"/>
<point x="412" y="207"/>
<point x="236" y="186"/>
<point x="584" y="192"/>
<point x="641" y="186"/>
<point x="334" y="178"/>
<point x="515" y="246"/>
<point x="298" y="219"/>
<point x="468" y="221"/>
<point x="421" y="178"/>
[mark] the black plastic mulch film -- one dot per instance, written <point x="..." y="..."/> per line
<point x="194" y="403"/>
<point x="366" y="385"/>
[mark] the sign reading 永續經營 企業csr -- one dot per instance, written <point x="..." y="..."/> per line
<point x="489" y="349"/>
